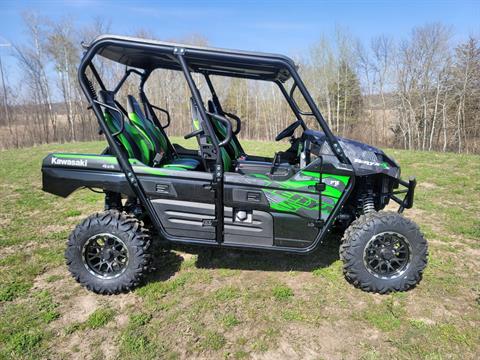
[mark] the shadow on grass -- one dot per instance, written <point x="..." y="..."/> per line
<point x="164" y="265"/>
<point x="323" y="256"/>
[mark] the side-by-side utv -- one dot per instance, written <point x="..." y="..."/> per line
<point x="218" y="195"/>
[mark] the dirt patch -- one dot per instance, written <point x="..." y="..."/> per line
<point x="339" y="340"/>
<point x="474" y="253"/>
<point x="44" y="282"/>
<point x="121" y="303"/>
<point x="81" y="308"/>
<point x="4" y="222"/>
<point x="27" y="247"/>
<point x="47" y="230"/>
<point x="109" y="349"/>
<point x="427" y="185"/>
<point x="72" y="347"/>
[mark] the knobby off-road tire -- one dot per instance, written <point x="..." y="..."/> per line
<point x="371" y="264"/>
<point x="108" y="253"/>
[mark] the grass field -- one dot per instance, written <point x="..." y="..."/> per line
<point x="238" y="305"/>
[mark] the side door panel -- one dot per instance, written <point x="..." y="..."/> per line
<point x="182" y="199"/>
<point x="293" y="204"/>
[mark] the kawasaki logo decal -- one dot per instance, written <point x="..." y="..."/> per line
<point x="69" y="162"/>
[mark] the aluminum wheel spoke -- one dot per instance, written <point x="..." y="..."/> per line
<point x="105" y="255"/>
<point x="387" y="254"/>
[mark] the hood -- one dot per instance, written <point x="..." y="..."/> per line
<point x="365" y="159"/>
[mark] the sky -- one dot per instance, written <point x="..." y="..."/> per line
<point x="288" y="27"/>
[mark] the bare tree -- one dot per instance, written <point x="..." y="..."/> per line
<point x="32" y="59"/>
<point x="64" y="53"/>
<point x="382" y="52"/>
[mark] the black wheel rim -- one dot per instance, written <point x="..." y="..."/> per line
<point x="387" y="255"/>
<point x="105" y="256"/>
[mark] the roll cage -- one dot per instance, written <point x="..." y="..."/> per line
<point x="150" y="55"/>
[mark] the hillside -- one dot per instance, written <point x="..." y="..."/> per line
<point x="212" y="304"/>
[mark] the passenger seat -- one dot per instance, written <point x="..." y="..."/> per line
<point x="139" y="138"/>
<point x="132" y="141"/>
<point x="162" y="154"/>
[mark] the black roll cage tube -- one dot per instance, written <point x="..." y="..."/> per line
<point x="94" y="71"/>
<point x="218" y="105"/>
<point x="122" y="125"/>
<point x="217" y="183"/>
<point x="122" y="159"/>
<point x="125" y="76"/>
<point x="332" y="141"/>
<point x="144" y="77"/>
<point x="215" y="99"/>
<point x="292" y="104"/>
<point x="337" y="149"/>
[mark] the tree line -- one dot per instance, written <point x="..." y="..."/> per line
<point x="420" y="93"/>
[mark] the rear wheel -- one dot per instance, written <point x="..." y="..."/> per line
<point x="383" y="252"/>
<point x="108" y="252"/>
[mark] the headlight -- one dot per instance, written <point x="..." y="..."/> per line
<point x="352" y="151"/>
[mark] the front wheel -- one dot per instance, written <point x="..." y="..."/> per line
<point x="383" y="252"/>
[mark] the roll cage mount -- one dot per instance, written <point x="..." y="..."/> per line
<point x="151" y="55"/>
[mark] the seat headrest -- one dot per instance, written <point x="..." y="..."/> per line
<point x="134" y="107"/>
<point x="108" y="97"/>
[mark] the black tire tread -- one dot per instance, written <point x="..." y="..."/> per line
<point x="352" y="241"/>
<point x="138" y="239"/>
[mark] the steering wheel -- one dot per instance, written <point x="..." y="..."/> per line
<point x="288" y="131"/>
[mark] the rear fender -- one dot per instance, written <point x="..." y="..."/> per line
<point x="62" y="174"/>
<point x="63" y="182"/>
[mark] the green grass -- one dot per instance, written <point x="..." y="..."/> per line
<point x="230" y="320"/>
<point x="99" y="318"/>
<point x="23" y="326"/>
<point x="213" y="305"/>
<point x="96" y="320"/>
<point x="386" y="316"/>
<point x="213" y="340"/>
<point x="282" y="292"/>
<point x="227" y="293"/>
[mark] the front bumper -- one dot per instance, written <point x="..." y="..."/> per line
<point x="407" y="201"/>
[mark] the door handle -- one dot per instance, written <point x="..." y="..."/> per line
<point x="253" y="196"/>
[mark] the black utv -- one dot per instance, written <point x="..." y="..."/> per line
<point x="218" y="195"/>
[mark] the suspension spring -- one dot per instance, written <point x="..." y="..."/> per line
<point x="368" y="204"/>
<point x="93" y="92"/>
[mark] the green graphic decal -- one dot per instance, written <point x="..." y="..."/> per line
<point x="298" y="194"/>
<point x="302" y="204"/>
<point x="106" y="158"/>
<point x="110" y="162"/>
